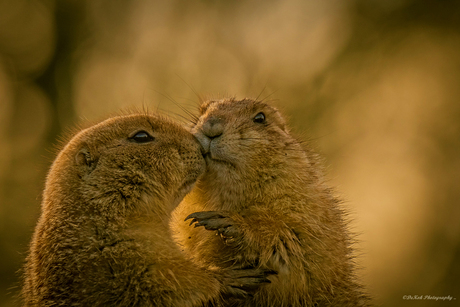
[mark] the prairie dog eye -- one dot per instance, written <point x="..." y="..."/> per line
<point x="141" y="137"/>
<point x="259" y="118"/>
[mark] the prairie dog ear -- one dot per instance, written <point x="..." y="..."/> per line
<point x="86" y="161"/>
<point x="281" y="121"/>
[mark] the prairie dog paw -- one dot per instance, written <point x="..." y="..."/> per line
<point x="244" y="282"/>
<point x="219" y="221"/>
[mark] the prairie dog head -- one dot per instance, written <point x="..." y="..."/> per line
<point x="123" y="162"/>
<point x="245" y="140"/>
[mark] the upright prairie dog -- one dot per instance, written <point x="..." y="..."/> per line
<point x="103" y="238"/>
<point x="265" y="194"/>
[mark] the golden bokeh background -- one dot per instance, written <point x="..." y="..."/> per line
<point x="374" y="84"/>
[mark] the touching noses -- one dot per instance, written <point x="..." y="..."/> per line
<point x="212" y="128"/>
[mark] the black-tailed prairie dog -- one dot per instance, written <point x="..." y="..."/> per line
<point x="103" y="239"/>
<point x="265" y="194"/>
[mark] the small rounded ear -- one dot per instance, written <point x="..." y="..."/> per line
<point x="85" y="160"/>
<point x="281" y="121"/>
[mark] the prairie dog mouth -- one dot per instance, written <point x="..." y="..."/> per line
<point x="212" y="160"/>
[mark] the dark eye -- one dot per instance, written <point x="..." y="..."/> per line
<point x="259" y="118"/>
<point x="142" y="137"/>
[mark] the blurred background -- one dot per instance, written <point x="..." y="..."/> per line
<point x="374" y="84"/>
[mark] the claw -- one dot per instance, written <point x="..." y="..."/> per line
<point x="244" y="282"/>
<point x="205" y="215"/>
<point x="270" y="272"/>
<point x="218" y="221"/>
<point x="211" y="220"/>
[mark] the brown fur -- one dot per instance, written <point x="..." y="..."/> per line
<point x="272" y="208"/>
<point x="103" y="238"/>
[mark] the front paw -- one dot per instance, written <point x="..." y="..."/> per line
<point x="245" y="282"/>
<point x="219" y="221"/>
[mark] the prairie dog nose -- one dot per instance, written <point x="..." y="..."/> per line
<point x="213" y="127"/>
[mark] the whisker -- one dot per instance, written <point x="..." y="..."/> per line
<point x="263" y="99"/>
<point x="177" y="116"/>
<point x="193" y="103"/>
<point x="179" y="105"/>
<point x="263" y="89"/>
<point x="240" y="125"/>
<point x="200" y="98"/>
<point x="184" y="109"/>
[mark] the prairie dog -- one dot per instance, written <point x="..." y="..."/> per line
<point x="103" y="237"/>
<point x="265" y="194"/>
